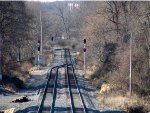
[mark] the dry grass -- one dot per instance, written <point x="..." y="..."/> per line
<point x="15" y="76"/>
<point x="90" y="71"/>
<point x="113" y="91"/>
<point x="38" y="71"/>
<point x="21" y="71"/>
<point x="115" y="95"/>
<point x="26" y="66"/>
<point x="123" y="102"/>
<point x="8" y="87"/>
<point x="117" y="101"/>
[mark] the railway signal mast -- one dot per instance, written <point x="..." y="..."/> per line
<point x="84" y="50"/>
<point x="130" y="76"/>
<point x="39" y="46"/>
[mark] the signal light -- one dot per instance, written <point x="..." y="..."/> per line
<point x="84" y="41"/>
<point x="52" y="38"/>
<point x="38" y="48"/>
<point x="84" y="49"/>
<point x="38" y="45"/>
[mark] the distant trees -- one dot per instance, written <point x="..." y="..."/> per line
<point x="62" y="18"/>
<point x="62" y="12"/>
<point x="52" y="25"/>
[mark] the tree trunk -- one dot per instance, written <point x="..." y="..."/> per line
<point x="66" y="28"/>
<point x="146" y="32"/>
<point x="0" y="58"/>
<point x="19" y="56"/>
<point x="148" y="57"/>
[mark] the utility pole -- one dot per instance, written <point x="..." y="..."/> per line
<point x="130" y="81"/>
<point x="41" y="49"/>
<point x="84" y="50"/>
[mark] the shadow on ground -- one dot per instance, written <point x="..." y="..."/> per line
<point x="32" y="109"/>
<point x="109" y="111"/>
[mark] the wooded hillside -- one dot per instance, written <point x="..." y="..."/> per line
<point x="114" y="30"/>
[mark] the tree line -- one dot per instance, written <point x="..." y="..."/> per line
<point x="109" y="27"/>
<point x="18" y="35"/>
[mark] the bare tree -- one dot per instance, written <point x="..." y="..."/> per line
<point x="15" y="24"/>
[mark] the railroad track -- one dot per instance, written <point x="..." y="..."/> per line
<point x="77" y="102"/>
<point x="62" y="86"/>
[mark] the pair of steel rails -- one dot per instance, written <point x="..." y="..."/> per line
<point x="67" y="66"/>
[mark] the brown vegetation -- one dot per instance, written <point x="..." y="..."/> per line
<point x="15" y="77"/>
<point x="109" y="28"/>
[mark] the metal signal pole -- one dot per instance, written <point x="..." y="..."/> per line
<point x="84" y="60"/>
<point x="84" y="55"/>
<point x="38" y="45"/>
<point x="130" y="81"/>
